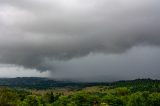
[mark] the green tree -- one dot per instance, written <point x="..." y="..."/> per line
<point x="112" y="100"/>
<point x="62" y="101"/>
<point x="154" y="99"/>
<point x="122" y="91"/>
<point x="49" y="97"/>
<point x="138" y="99"/>
<point x="82" y="99"/>
<point x="32" y="100"/>
<point x="8" y="97"/>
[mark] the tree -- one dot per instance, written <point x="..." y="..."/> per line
<point x="138" y="99"/>
<point x="154" y="99"/>
<point x="8" y="97"/>
<point x="112" y="100"/>
<point x="32" y="100"/>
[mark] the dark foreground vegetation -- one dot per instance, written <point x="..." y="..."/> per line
<point x="142" y="92"/>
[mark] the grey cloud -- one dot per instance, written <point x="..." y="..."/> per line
<point x="139" y="62"/>
<point x="35" y="32"/>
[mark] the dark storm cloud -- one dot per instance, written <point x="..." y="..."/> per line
<point x="35" y="33"/>
<point x="139" y="62"/>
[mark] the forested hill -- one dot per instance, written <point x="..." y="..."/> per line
<point x="45" y="83"/>
<point x="42" y="83"/>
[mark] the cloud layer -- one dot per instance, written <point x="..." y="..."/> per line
<point x="35" y="33"/>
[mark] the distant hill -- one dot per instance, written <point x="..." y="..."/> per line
<point x="41" y="83"/>
<point x="46" y="83"/>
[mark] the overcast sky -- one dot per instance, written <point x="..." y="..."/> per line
<point x="85" y="40"/>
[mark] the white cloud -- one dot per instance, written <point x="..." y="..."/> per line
<point x="11" y="71"/>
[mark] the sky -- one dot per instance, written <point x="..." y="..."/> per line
<point x="84" y="40"/>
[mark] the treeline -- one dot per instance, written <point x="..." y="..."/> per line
<point x="89" y="96"/>
<point x="139" y="85"/>
<point x="45" y="83"/>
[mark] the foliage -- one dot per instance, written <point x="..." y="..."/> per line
<point x="32" y="100"/>
<point x="119" y="94"/>
<point x="8" y="97"/>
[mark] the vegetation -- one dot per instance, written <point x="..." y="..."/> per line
<point x="123" y="93"/>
